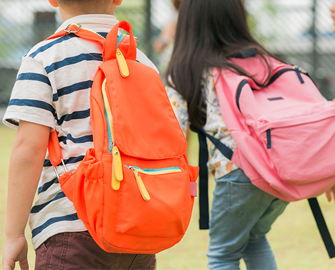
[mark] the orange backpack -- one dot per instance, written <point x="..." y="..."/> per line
<point x="134" y="190"/>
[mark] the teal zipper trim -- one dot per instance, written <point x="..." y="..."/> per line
<point x="120" y="37"/>
<point x="110" y="138"/>
<point x="158" y="171"/>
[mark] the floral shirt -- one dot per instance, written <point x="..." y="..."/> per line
<point x="218" y="164"/>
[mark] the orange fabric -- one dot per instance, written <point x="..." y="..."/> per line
<point x="148" y="136"/>
<point x="109" y="51"/>
<point x="55" y="153"/>
<point x="83" y="33"/>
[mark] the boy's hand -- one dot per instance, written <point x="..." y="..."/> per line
<point x="15" y="250"/>
<point x="330" y="193"/>
<point x="25" y="167"/>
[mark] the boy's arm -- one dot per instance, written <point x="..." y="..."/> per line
<point x="25" y="167"/>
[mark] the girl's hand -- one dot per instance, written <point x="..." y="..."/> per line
<point x="15" y="250"/>
<point x="330" y="194"/>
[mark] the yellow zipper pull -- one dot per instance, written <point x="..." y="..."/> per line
<point x="140" y="184"/>
<point x="115" y="183"/>
<point x="117" y="164"/>
<point x="122" y="64"/>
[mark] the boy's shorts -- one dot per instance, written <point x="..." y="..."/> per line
<point x="77" y="250"/>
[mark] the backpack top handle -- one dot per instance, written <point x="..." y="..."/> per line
<point x="111" y="42"/>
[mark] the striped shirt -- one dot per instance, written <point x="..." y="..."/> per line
<point x="53" y="89"/>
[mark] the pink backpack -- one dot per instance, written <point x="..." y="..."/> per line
<point x="285" y="132"/>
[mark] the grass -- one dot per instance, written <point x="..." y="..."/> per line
<point x="294" y="237"/>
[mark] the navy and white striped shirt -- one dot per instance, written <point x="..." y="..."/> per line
<point x="53" y="89"/>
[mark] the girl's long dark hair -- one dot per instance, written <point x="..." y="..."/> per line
<point x="208" y="33"/>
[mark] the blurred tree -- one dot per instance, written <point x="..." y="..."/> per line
<point x="268" y="8"/>
<point x="132" y="12"/>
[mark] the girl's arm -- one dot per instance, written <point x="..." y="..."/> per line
<point x="179" y="106"/>
<point x="330" y="194"/>
<point x="25" y="167"/>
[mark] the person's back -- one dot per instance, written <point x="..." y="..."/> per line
<point x="53" y="92"/>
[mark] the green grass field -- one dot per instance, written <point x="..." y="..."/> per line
<point x="294" y="237"/>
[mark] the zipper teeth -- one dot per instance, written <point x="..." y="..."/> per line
<point x="272" y="80"/>
<point x="121" y="35"/>
<point x="238" y="93"/>
<point x="157" y="171"/>
<point x="109" y="113"/>
<point x="278" y="74"/>
<point x="93" y="32"/>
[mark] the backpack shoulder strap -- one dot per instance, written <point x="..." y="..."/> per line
<point x="322" y="226"/>
<point x="79" y="31"/>
<point x="127" y="46"/>
<point x="203" y="172"/>
<point x="203" y="180"/>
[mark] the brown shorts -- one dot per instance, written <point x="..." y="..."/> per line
<point x="77" y="250"/>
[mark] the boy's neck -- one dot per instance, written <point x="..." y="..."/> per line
<point x="70" y="13"/>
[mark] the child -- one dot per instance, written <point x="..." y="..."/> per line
<point x="332" y="11"/>
<point x="52" y="91"/>
<point x="166" y="36"/>
<point x="210" y="33"/>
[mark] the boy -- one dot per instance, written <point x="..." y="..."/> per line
<point x="52" y="92"/>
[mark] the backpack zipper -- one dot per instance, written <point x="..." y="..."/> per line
<point x="139" y="180"/>
<point x="117" y="173"/>
<point x="297" y="70"/>
<point x="121" y="61"/>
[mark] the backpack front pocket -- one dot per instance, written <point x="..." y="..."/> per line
<point x="150" y="202"/>
<point x="302" y="151"/>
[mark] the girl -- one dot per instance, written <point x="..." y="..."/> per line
<point x="209" y="34"/>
